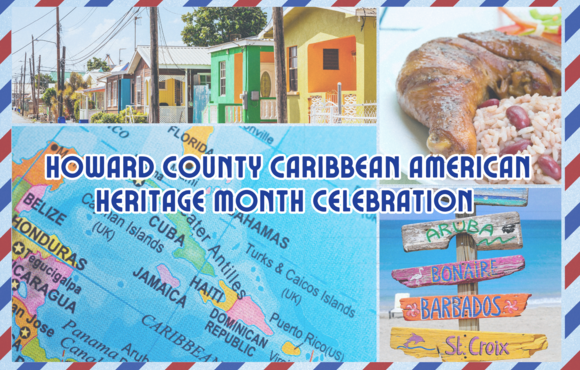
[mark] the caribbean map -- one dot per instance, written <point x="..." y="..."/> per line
<point x="187" y="287"/>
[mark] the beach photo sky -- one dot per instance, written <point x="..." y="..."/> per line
<point x="541" y="232"/>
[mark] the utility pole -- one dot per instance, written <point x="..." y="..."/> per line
<point x="58" y="82"/>
<point x="19" y="95"/>
<point x="20" y="90"/>
<point x="32" y="80"/>
<point x="280" y="65"/>
<point x="24" y="85"/>
<point x="32" y="95"/>
<point x="38" y="90"/>
<point x="154" y="109"/>
<point x="120" y="54"/>
<point x="62" y="67"/>
<point x="63" y="77"/>
<point x="136" y="31"/>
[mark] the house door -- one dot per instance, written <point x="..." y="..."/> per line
<point x="200" y="100"/>
<point x="124" y="93"/>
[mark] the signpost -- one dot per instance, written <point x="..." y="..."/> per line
<point x="472" y="346"/>
<point x="459" y="272"/>
<point x="473" y="233"/>
<point x="463" y="307"/>
<point x="499" y="231"/>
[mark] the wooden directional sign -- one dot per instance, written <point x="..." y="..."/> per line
<point x="463" y="307"/>
<point x="498" y="231"/>
<point x="459" y="272"/>
<point x="461" y="345"/>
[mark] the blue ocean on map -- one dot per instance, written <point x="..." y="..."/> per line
<point x="277" y="286"/>
<point x="541" y="276"/>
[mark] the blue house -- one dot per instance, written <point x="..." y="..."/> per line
<point x="119" y="89"/>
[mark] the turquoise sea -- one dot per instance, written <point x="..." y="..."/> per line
<point x="542" y="275"/>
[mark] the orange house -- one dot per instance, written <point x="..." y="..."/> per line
<point x="325" y="47"/>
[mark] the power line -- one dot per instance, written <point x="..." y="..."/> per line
<point x="165" y="41"/>
<point x="42" y="33"/>
<point x="169" y="11"/>
<point x="108" y="37"/>
<point x="104" y="34"/>
<point x="33" y="22"/>
<point x="85" y="18"/>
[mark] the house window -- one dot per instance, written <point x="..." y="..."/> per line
<point x="293" y="67"/>
<point x="222" y="78"/>
<point x="178" y="93"/>
<point x="115" y="93"/>
<point x="330" y="59"/>
<point x="162" y="85"/>
<point x="109" y="94"/>
<point x="138" y="89"/>
<point x="132" y="92"/>
<point x="205" y="79"/>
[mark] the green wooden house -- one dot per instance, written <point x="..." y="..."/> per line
<point x="243" y="83"/>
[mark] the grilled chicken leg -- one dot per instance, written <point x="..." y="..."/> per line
<point x="537" y="49"/>
<point x="442" y="83"/>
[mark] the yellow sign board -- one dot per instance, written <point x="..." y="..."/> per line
<point x="461" y="345"/>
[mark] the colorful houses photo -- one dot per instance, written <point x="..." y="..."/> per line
<point x="227" y="72"/>
<point x="327" y="50"/>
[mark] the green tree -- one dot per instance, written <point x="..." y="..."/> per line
<point x="212" y="26"/>
<point x="70" y="95"/>
<point x="97" y="63"/>
<point x="48" y="95"/>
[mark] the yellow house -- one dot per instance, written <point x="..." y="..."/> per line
<point x="325" y="47"/>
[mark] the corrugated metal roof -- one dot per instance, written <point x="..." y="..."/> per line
<point x="253" y="40"/>
<point x="120" y="69"/>
<point x="95" y="75"/>
<point x="100" y="87"/>
<point x="169" y="56"/>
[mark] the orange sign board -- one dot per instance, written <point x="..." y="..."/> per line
<point x="463" y="307"/>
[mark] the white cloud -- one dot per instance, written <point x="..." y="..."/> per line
<point x="74" y="31"/>
<point x="102" y="27"/>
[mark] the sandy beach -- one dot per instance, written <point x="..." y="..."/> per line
<point x="540" y="320"/>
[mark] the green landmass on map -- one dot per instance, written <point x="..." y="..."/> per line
<point x="152" y="184"/>
<point x="191" y="249"/>
<point x="38" y="354"/>
<point x="18" y="192"/>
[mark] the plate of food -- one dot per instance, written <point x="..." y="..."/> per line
<point x="478" y="86"/>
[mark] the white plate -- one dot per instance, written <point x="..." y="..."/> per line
<point x="399" y="133"/>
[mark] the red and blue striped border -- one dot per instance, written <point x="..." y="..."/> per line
<point x="570" y="208"/>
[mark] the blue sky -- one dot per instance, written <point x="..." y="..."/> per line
<point x="82" y="27"/>
<point x="542" y="252"/>
<point x="543" y="204"/>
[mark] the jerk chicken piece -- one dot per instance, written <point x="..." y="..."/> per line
<point x="537" y="49"/>
<point x="442" y="83"/>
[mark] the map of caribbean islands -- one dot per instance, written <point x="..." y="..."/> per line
<point x="187" y="287"/>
